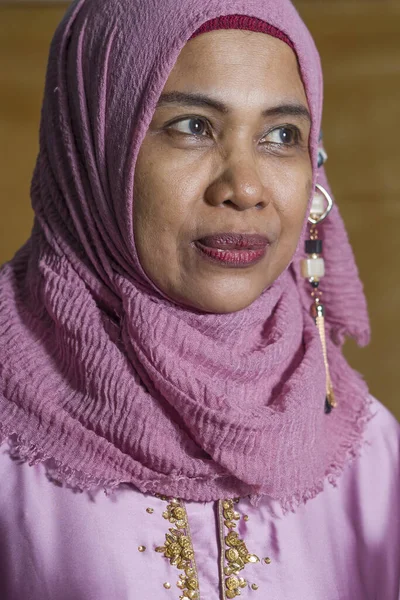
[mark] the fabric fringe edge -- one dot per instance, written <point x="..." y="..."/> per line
<point x="62" y="475"/>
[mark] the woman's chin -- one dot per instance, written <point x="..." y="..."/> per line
<point x="216" y="301"/>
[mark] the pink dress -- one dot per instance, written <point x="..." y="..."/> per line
<point x="344" y="544"/>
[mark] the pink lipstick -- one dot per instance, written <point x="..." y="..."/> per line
<point x="235" y="250"/>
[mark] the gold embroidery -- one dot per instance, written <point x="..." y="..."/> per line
<point x="178" y="549"/>
<point x="236" y="552"/>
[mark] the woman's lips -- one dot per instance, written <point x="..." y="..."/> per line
<point x="233" y="249"/>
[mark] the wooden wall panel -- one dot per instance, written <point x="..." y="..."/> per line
<point x="360" y="48"/>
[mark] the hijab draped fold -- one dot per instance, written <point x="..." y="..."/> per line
<point x="105" y="379"/>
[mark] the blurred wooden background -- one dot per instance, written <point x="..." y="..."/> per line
<point x="359" y="42"/>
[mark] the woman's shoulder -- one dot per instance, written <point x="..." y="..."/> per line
<point x="374" y="475"/>
<point x="383" y="432"/>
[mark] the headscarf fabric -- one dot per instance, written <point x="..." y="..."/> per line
<point x="101" y="375"/>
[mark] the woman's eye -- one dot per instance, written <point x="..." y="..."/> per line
<point x="283" y="135"/>
<point x="193" y="126"/>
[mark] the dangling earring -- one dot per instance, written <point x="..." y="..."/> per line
<point x="313" y="269"/>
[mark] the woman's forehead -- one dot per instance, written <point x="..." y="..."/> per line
<point x="233" y="69"/>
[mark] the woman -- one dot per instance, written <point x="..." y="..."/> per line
<point x="171" y="359"/>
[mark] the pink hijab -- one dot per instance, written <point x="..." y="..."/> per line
<point x="101" y="376"/>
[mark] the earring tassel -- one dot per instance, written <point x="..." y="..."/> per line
<point x="330" y="401"/>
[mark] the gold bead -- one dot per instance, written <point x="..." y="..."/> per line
<point x="187" y="553"/>
<point x="181" y="524"/>
<point x="252" y="558"/>
<point x="245" y="517"/>
<point x="232" y="539"/>
<point x="232" y="583"/>
<point x="267" y="560"/>
<point x="192" y="583"/>
<point x="142" y="548"/>
<point x="178" y="512"/>
<point x="167" y="585"/>
<point x="232" y="554"/>
<point x="254" y="586"/>
<point x="184" y="541"/>
<point x="231" y="594"/>
<point x="174" y="549"/>
<point x="229" y="524"/>
<point x="174" y="533"/>
<point x="150" y="510"/>
<point x="228" y="513"/>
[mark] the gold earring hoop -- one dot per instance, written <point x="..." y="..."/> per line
<point x="318" y="212"/>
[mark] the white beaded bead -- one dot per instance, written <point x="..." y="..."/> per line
<point x="312" y="267"/>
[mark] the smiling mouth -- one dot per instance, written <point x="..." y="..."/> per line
<point x="234" y="250"/>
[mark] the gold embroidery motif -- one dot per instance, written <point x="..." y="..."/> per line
<point x="178" y="549"/>
<point x="236" y="552"/>
<point x="254" y="586"/>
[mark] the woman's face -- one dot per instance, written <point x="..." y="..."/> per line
<point x="226" y="153"/>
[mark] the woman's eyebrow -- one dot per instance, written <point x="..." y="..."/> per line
<point x="200" y="100"/>
<point x="291" y="110"/>
<point x="186" y="99"/>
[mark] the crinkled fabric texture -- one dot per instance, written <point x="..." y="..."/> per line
<point x="99" y="371"/>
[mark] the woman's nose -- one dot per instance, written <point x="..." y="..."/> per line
<point x="239" y="185"/>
